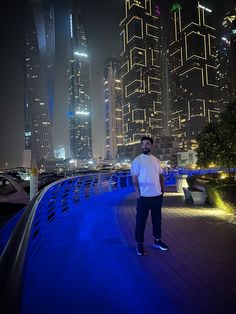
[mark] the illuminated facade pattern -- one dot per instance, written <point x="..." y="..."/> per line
<point x="141" y="68"/>
<point x="226" y="59"/>
<point x="233" y="55"/>
<point x="78" y="72"/>
<point x="223" y="73"/>
<point x="113" y="109"/>
<point x="39" y="79"/>
<point x="193" y="65"/>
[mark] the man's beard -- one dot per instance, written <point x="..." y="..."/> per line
<point x="146" y="151"/>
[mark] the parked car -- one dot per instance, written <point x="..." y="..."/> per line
<point x="11" y="191"/>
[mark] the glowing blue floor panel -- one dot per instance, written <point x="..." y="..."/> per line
<point x="86" y="266"/>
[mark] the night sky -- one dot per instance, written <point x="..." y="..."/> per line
<point x="102" y="19"/>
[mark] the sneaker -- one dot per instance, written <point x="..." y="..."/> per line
<point x="140" y="249"/>
<point x="158" y="244"/>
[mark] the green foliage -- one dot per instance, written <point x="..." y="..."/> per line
<point x="217" y="141"/>
<point x="222" y="195"/>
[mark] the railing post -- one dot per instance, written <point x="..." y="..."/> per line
<point x="110" y="182"/>
<point x="100" y="183"/>
<point x="118" y="182"/>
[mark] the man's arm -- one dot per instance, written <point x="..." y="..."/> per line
<point x="136" y="185"/>
<point x="162" y="180"/>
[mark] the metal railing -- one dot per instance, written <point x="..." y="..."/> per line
<point x="49" y="206"/>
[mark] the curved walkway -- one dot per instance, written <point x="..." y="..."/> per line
<point x="89" y="264"/>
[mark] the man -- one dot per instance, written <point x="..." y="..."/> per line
<point x="149" y="186"/>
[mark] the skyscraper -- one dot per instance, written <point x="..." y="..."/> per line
<point x="227" y="56"/>
<point x="233" y="53"/>
<point x="39" y="78"/>
<point x="113" y="108"/>
<point x="79" y="87"/>
<point x="223" y="73"/>
<point x="194" y="87"/>
<point x="142" y="72"/>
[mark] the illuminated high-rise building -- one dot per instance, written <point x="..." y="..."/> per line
<point x="193" y="65"/>
<point x="223" y="73"/>
<point x="233" y="53"/>
<point x="113" y="109"/>
<point x="39" y="78"/>
<point x="142" y="72"/>
<point x="227" y="57"/>
<point x="79" y="114"/>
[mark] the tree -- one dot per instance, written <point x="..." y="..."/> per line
<point x="217" y="141"/>
<point x="208" y="145"/>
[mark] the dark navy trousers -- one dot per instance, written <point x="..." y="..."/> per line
<point x="144" y="204"/>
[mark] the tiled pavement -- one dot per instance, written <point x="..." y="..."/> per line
<point x="88" y="263"/>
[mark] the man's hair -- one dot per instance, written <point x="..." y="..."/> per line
<point x="147" y="138"/>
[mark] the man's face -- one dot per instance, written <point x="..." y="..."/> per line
<point x="146" y="147"/>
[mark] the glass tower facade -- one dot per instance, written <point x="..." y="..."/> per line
<point x="193" y="67"/>
<point x="79" y="114"/>
<point x="233" y="54"/>
<point x="142" y="72"/>
<point x="113" y="108"/>
<point x="39" y="78"/>
<point x="227" y="56"/>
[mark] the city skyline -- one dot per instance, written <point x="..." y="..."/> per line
<point x="106" y="19"/>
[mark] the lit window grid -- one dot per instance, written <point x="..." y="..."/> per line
<point x="212" y="112"/>
<point x="209" y="44"/>
<point x="138" y="63"/>
<point x="188" y="25"/>
<point x="127" y="71"/>
<point x="203" y="20"/>
<point x="151" y="26"/>
<point x="126" y="12"/>
<point x="206" y="69"/>
<point x="181" y="59"/>
<point x="126" y="128"/>
<point x="127" y="29"/>
<point x="155" y="123"/>
<point x="137" y="136"/>
<point x="186" y="46"/>
<point x="191" y="69"/>
<point x="133" y="114"/>
<point x="147" y="3"/>
<point x="176" y="121"/>
<point x="203" y="113"/>
<point x="150" y="78"/>
<point x="153" y="59"/>
<point x="156" y="104"/>
<point x="124" y="109"/>
<point x="136" y="3"/>
<point x="138" y="89"/>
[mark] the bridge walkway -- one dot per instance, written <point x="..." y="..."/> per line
<point x="89" y="263"/>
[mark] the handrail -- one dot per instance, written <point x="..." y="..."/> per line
<point x="47" y="206"/>
<point x="12" y="261"/>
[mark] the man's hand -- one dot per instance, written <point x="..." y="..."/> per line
<point x="136" y="185"/>
<point x="162" y="183"/>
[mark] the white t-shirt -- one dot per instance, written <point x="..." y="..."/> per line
<point x="148" y="169"/>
